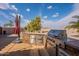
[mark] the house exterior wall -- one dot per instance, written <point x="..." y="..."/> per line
<point x="0" y="30"/>
<point x="9" y="30"/>
<point x="71" y="31"/>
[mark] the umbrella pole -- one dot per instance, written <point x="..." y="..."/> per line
<point x="19" y="36"/>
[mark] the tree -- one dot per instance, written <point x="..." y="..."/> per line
<point x="10" y="23"/>
<point x="34" y="25"/>
<point x="74" y="24"/>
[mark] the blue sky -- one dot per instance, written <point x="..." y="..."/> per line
<point x="50" y="13"/>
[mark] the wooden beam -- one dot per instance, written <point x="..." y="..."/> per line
<point x="45" y="41"/>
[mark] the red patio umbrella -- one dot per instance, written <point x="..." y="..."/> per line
<point x="17" y="25"/>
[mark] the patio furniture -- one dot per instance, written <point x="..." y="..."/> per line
<point x="59" y="35"/>
<point x="57" y="38"/>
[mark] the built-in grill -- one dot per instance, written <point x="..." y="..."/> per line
<point x="57" y="38"/>
<point x="58" y="34"/>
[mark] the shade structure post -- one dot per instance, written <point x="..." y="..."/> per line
<point x="57" y="49"/>
<point x="45" y="41"/>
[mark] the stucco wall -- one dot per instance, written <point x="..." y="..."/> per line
<point x="9" y="30"/>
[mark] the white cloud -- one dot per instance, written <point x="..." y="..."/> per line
<point x="45" y="17"/>
<point x="55" y="15"/>
<point x="20" y="15"/>
<point x="47" y="23"/>
<point x="2" y="14"/>
<point x="28" y="9"/>
<point x="49" y="7"/>
<point x="7" y="6"/>
<point x="13" y="7"/>
<point x="5" y="18"/>
<point x="13" y="14"/>
<point x="4" y="6"/>
<point x="65" y="21"/>
<point x="24" y="22"/>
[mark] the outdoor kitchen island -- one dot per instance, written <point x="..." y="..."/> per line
<point x="33" y="44"/>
